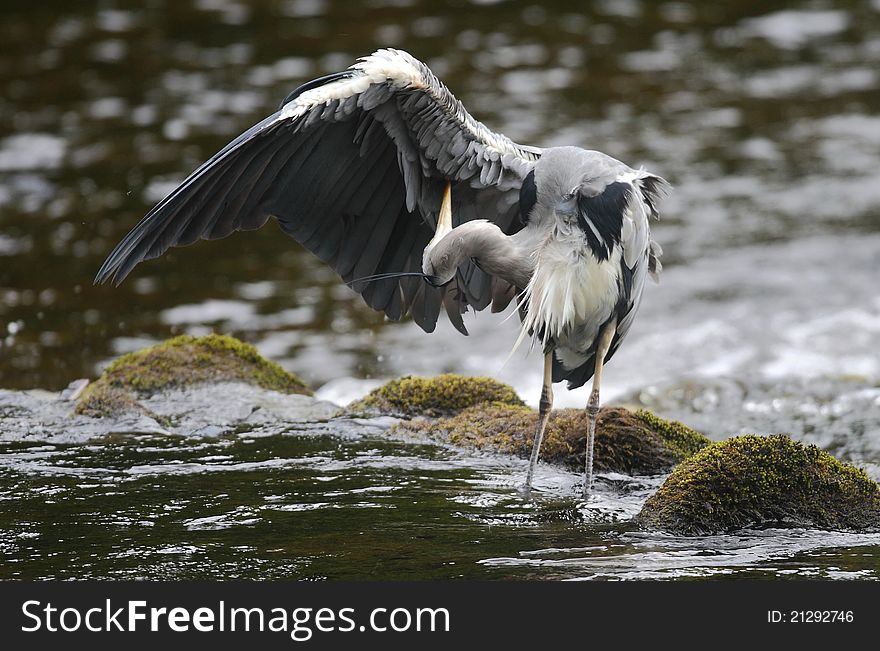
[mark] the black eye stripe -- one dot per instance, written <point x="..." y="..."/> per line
<point x="528" y="196"/>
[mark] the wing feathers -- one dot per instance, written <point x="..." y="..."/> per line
<point x="353" y="167"/>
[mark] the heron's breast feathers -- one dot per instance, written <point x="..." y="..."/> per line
<point x="571" y="292"/>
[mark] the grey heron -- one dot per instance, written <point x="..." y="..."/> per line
<point x="381" y="172"/>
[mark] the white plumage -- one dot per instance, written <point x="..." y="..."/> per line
<point x="569" y="289"/>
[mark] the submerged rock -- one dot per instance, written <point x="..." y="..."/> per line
<point x="178" y="362"/>
<point x="433" y="396"/>
<point x="188" y="386"/>
<point x="42" y="416"/>
<point x="201" y="410"/>
<point x="636" y="443"/>
<point x="760" y="481"/>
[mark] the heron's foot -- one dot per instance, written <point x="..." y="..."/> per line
<point x="545" y="404"/>
<point x="525" y="490"/>
<point x="529" y="484"/>
<point x="533" y="464"/>
<point x="592" y="414"/>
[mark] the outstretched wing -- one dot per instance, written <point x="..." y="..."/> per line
<point x="641" y="257"/>
<point x="353" y="166"/>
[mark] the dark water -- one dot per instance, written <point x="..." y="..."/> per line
<point x="319" y="506"/>
<point x="764" y="116"/>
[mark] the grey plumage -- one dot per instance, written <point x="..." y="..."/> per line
<point x="352" y="158"/>
<point x="586" y="175"/>
<point x="379" y="171"/>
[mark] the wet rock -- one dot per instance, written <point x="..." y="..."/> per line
<point x="42" y="416"/>
<point x="226" y="407"/>
<point x="636" y="443"/>
<point x="109" y="400"/>
<point x="74" y="390"/>
<point x="838" y="414"/>
<point x="178" y="362"/>
<point x="441" y="395"/>
<point x="762" y="481"/>
<point x="205" y="386"/>
<point x="201" y="410"/>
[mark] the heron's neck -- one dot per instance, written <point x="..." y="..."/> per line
<point x="493" y="251"/>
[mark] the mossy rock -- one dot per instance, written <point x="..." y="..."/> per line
<point x="182" y="361"/>
<point x="433" y="396"/>
<point x="763" y="481"/>
<point x="101" y="400"/>
<point x="636" y="443"/>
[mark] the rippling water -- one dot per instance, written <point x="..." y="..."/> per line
<point x="317" y="506"/>
<point x="764" y="116"/>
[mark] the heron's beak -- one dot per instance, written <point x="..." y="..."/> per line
<point x="444" y="228"/>
<point x="444" y="221"/>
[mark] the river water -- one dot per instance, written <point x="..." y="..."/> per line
<point x="765" y="117"/>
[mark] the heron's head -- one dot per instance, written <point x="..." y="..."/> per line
<point x="438" y="262"/>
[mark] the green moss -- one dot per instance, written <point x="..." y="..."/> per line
<point x="181" y="361"/>
<point x="754" y="481"/>
<point x="189" y="360"/>
<point x="103" y="400"/>
<point x="434" y="396"/>
<point x="678" y="436"/>
<point x="625" y="441"/>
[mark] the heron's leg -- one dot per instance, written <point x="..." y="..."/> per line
<point x="602" y="347"/>
<point x="544" y="406"/>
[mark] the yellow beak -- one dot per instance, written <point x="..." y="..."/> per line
<point x="444" y="221"/>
